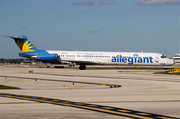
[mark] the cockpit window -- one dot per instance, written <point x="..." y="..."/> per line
<point x="163" y="56"/>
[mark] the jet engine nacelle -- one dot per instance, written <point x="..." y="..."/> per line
<point x="46" y="57"/>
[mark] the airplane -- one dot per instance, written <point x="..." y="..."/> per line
<point x="83" y="58"/>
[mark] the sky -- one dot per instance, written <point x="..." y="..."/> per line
<point x="92" y="25"/>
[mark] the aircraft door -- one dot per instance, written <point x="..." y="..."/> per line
<point x="157" y="59"/>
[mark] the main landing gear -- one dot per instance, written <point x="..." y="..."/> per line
<point x="82" y="67"/>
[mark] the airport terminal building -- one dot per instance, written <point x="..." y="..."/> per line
<point x="177" y="58"/>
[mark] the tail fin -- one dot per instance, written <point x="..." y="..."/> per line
<point x="23" y="43"/>
<point x="30" y="51"/>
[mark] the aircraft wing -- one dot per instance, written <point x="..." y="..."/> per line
<point x="84" y="62"/>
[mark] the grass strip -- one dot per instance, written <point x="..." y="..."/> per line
<point x="8" y="87"/>
<point x="167" y="72"/>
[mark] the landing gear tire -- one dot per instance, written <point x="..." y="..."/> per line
<point x="82" y="67"/>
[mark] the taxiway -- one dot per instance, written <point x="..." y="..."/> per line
<point x="83" y="94"/>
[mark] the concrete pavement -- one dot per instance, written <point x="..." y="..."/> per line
<point x="140" y="91"/>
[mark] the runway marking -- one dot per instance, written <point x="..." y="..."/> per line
<point x="99" y="108"/>
<point x="18" y="103"/>
<point x="55" y="100"/>
<point x="111" y="85"/>
<point x="79" y="103"/>
<point x="34" y="97"/>
<point x="108" y="107"/>
<point x="142" y="113"/>
<point x="92" y="105"/>
<point x="123" y="110"/>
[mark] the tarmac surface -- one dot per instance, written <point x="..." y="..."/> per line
<point x="78" y="94"/>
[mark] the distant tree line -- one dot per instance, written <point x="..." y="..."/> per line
<point x="16" y="61"/>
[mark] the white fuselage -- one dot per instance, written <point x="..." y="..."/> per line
<point x="113" y="58"/>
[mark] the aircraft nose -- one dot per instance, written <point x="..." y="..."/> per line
<point x="171" y="62"/>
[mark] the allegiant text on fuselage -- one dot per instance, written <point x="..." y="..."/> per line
<point x="131" y="60"/>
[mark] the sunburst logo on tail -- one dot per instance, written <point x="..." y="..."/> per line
<point x="25" y="46"/>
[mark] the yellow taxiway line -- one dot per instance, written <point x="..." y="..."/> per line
<point x="99" y="108"/>
<point x="66" y="86"/>
<point x="36" y="79"/>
